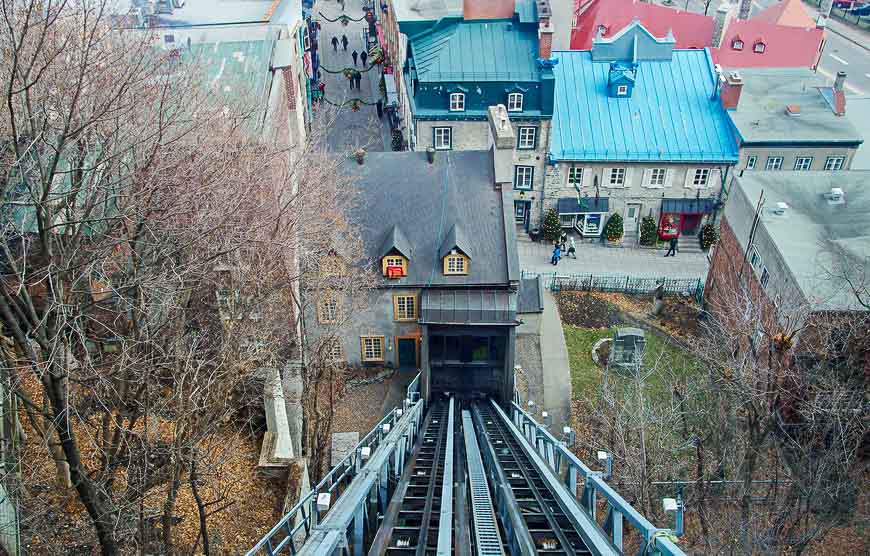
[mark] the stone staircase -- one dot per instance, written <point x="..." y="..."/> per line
<point x="689" y="244"/>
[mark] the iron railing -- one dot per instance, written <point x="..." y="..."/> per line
<point x="620" y="283"/>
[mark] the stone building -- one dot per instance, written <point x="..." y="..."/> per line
<point x="638" y="131"/>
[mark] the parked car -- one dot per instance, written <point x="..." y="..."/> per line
<point x="848" y="4"/>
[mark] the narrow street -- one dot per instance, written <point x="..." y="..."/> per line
<point x="357" y="124"/>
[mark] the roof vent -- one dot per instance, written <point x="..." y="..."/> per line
<point x="835" y="196"/>
<point x="793" y="109"/>
<point x="780" y="208"/>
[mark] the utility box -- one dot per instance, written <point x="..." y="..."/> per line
<point x="628" y="347"/>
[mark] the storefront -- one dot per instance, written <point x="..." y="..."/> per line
<point x="683" y="217"/>
<point x="586" y="215"/>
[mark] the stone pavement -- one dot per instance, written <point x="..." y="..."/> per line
<point x="352" y="129"/>
<point x="599" y="259"/>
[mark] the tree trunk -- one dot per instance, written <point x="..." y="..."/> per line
<point x="200" y="507"/>
<point x="168" y="506"/>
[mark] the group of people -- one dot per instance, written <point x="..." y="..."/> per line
<point x="361" y="56"/>
<point x="559" y="247"/>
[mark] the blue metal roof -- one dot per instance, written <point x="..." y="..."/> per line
<point x="671" y="115"/>
<point x="483" y="50"/>
<point x="689" y="206"/>
<point x="574" y="205"/>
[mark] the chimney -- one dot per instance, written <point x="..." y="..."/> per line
<point x="732" y="85"/>
<point x="840" y="94"/>
<point x="720" y="23"/>
<point x="503" y="142"/>
<point x="545" y="30"/>
<point x="840" y="81"/>
<point x="825" y="8"/>
<point x="745" y="6"/>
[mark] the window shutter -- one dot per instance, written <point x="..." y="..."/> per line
<point x="605" y="177"/>
<point x="647" y="173"/>
<point x="715" y="178"/>
<point x="690" y="175"/>
<point x="627" y="182"/>
<point x="587" y="176"/>
<point x="669" y="177"/>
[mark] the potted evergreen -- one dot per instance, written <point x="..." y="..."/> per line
<point x="709" y="236"/>
<point x="614" y="230"/>
<point x="552" y="228"/>
<point x="648" y="231"/>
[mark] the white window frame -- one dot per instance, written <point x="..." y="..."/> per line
<point x="455" y="264"/>
<point x="442" y="146"/>
<point x="803" y="163"/>
<point x="759" y="47"/>
<point x="528" y="176"/>
<point x="701" y="178"/>
<point x="620" y="176"/>
<point x="773" y="163"/>
<point x="754" y="257"/>
<point x="515" y="102"/>
<point x="662" y="179"/>
<point x="585" y="230"/>
<point x="835" y="163"/>
<point x="621" y="90"/>
<point x="764" y="279"/>
<point x="751" y="161"/>
<point x="457" y="102"/>
<point x="526" y="137"/>
<point x="575" y="176"/>
<point x="737" y="44"/>
<point x="364" y="348"/>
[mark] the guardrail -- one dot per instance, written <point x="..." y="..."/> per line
<point x="291" y="532"/>
<point x="565" y="464"/>
<point x="619" y="283"/>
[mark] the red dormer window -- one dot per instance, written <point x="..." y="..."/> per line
<point x="759" y="47"/>
<point x="737" y="44"/>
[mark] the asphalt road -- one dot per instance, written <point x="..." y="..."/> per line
<point x="840" y="53"/>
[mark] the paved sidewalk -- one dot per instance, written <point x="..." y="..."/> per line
<point x="598" y="259"/>
<point x="353" y="129"/>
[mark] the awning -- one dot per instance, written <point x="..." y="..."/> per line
<point x="481" y="307"/>
<point x="390" y="85"/>
<point x="688" y="206"/>
<point x="573" y="205"/>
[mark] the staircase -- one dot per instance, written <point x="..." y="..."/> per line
<point x="689" y="244"/>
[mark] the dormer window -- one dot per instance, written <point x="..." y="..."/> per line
<point x="759" y="47"/>
<point x="515" y="102"/>
<point x="455" y="263"/>
<point x="457" y="102"/>
<point x="455" y="252"/>
<point x="394" y="266"/>
<point x="737" y="44"/>
<point x="622" y="90"/>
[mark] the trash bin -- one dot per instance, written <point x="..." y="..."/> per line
<point x="534" y="234"/>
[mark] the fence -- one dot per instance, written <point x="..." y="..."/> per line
<point x="621" y="283"/>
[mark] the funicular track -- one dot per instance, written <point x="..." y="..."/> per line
<point x="549" y="527"/>
<point x="411" y="525"/>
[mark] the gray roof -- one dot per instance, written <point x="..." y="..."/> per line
<point x="812" y="230"/>
<point x="761" y="117"/>
<point x="455" y="239"/>
<point x="395" y="240"/>
<point x="468" y="306"/>
<point x="531" y="296"/>
<point x="858" y="112"/>
<point x="425" y="201"/>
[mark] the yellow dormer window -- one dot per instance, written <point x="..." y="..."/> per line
<point x="394" y="266"/>
<point x="455" y="263"/>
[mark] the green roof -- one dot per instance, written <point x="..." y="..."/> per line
<point x="238" y="70"/>
<point x="483" y="50"/>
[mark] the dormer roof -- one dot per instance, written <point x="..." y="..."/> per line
<point x="395" y="241"/>
<point x="455" y="239"/>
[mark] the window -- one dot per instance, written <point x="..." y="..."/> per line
<point x="398" y="264"/>
<point x="443" y="138"/>
<point x="657" y="177"/>
<point x="754" y="257"/>
<point x="520" y="211"/>
<point x="803" y="162"/>
<point x="617" y="177"/>
<point x="750" y="162"/>
<point x="701" y="177"/>
<point x="523" y="176"/>
<point x="737" y="44"/>
<point x="169" y="39"/>
<point x="515" y="102"/>
<point x="575" y="177"/>
<point x="404" y="307"/>
<point x="758" y="48"/>
<point x="773" y="163"/>
<point x="834" y="163"/>
<point x="372" y="348"/>
<point x="589" y="224"/>
<point x="526" y="137"/>
<point x="621" y="90"/>
<point x="765" y="277"/>
<point x="333" y="350"/>
<point x="455" y="264"/>
<point x="457" y="102"/>
<point x="566" y="220"/>
<point x="327" y="309"/>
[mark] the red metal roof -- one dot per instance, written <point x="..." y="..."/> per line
<point x="790" y="13"/>
<point x="784" y="47"/>
<point x="691" y="30"/>
<point x="488" y="9"/>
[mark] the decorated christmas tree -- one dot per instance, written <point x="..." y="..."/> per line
<point x="648" y="231"/>
<point x="552" y="229"/>
<point x="709" y="236"/>
<point x="613" y="230"/>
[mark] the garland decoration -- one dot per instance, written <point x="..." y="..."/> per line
<point x="345" y="70"/>
<point x="344" y="19"/>
<point x="355" y="103"/>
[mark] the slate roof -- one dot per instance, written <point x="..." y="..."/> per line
<point x="811" y="228"/>
<point x="488" y="50"/>
<point x="761" y="117"/>
<point x="425" y="201"/>
<point x="396" y="240"/>
<point x="455" y="239"/>
<point x="530" y="297"/>
<point x="670" y="116"/>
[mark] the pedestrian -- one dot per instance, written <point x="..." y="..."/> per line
<point x="557" y="254"/>
<point x="358" y="78"/>
<point x="322" y="88"/>
<point x="672" y="250"/>
<point x="344" y="42"/>
<point x="342" y="4"/>
<point x="350" y="79"/>
<point x="563" y="239"/>
<point x="354" y="55"/>
<point x="335" y="43"/>
<point x="363" y="57"/>
<point x="572" y="249"/>
<point x="380" y="108"/>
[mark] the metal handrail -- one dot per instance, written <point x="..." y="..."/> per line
<point x="656" y="540"/>
<point x="413" y="392"/>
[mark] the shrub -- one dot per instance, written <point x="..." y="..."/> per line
<point x="648" y="231"/>
<point x="552" y="229"/>
<point x="709" y="236"/>
<point x="614" y="228"/>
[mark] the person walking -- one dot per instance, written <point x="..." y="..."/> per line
<point x="572" y="249"/>
<point x="363" y="57"/>
<point x="672" y="250"/>
<point x="557" y="254"/>
<point x="354" y="55"/>
<point x="344" y="42"/>
<point x="335" y="43"/>
<point x="563" y="238"/>
<point x="350" y="80"/>
<point x="357" y="77"/>
<point x="322" y="88"/>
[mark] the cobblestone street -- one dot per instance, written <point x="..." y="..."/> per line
<point x="352" y="129"/>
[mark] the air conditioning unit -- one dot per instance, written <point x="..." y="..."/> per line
<point x="394" y="272"/>
<point x="835" y="196"/>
